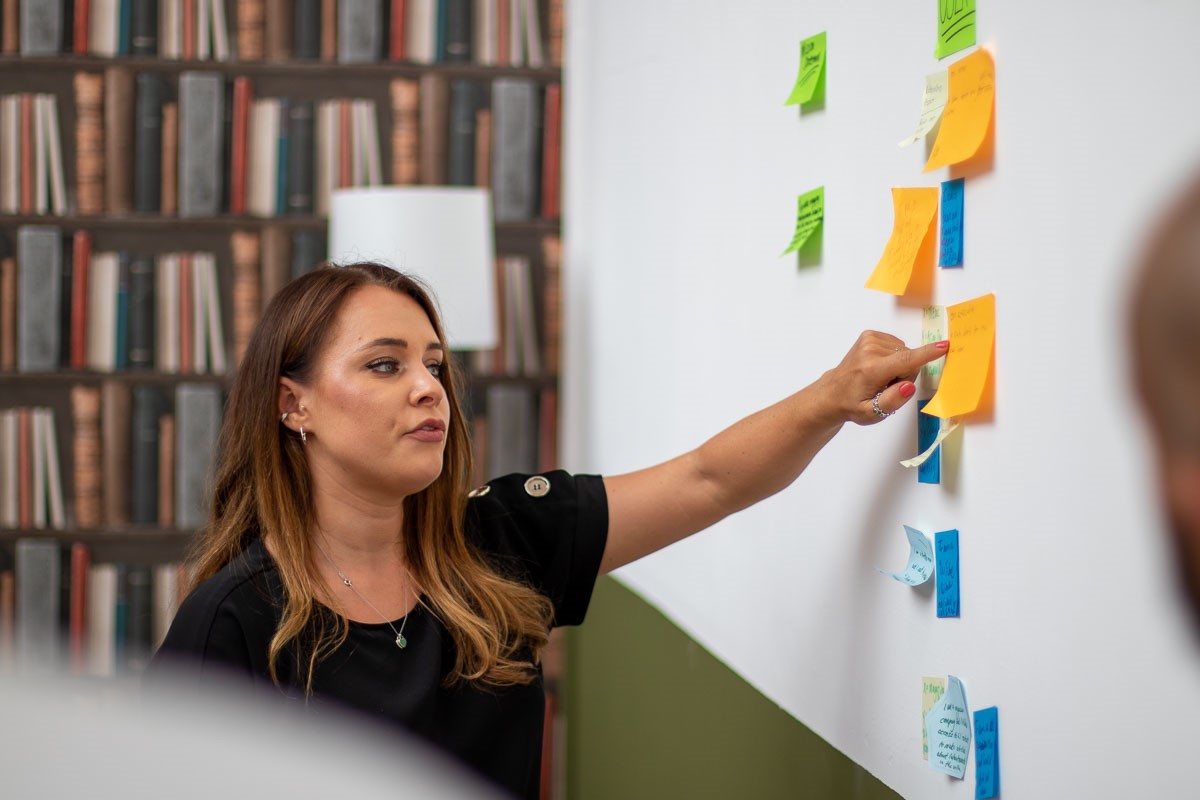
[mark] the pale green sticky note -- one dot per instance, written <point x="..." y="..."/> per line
<point x="810" y="213"/>
<point x="956" y="26"/>
<point x="812" y="64"/>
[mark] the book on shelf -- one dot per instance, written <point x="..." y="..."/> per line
<point x="197" y="419"/>
<point x="80" y="565"/>
<point x="250" y="29"/>
<point x="150" y="96"/>
<point x="461" y="139"/>
<point x="435" y="121"/>
<point x="86" y="450"/>
<point x="306" y="30"/>
<point x="115" y="438"/>
<point x="32" y="178"/>
<point x="89" y="142"/>
<point x="41" y="27"/>
<point x="406" y="132"/>
<point x="247" y="288"/>
<point x="149" y="405"/>
<point x="551" y="302"/>
<point x="359" y="31"/>
<point x="277" y="30"/>
<point x="39" y="297"/>
<point x="8" y="312"/>
<point x="38" y="582"/>
<point x="118" y="133"/>
<point x="514" y="148"/>
<point x="551" y="151"/>
<point x="143" y="26"/>
<point x="512" y="429"/>
<point x="201" y="102"/>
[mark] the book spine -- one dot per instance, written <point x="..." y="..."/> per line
<point x="280" y="171"/>
<point x="483" y="147"/>
<point x="276" y="260"/>
<point x="39" y="298"/>
<point x="121" y="329"/>
<point x="143" y="477"/>
<point x="329" y="40"/>
<point x="166" y="470"/>
<point x="300" y="157"/>
<point x="397" y="24"/>
<point x="39" y="581"/>
<point x="77" y="621"/>
<point x="360" y="31"/>
<point x="247" y="289"/>
<point x="514" y="148"/>
<point x="250" y="23"/>
<point x="139" y="618"/>
<point x="115" y="412"/>
<point x="143" y="25"/>
<point x="124" y="27"/>
<point x="10" y="31"/>
<point x="551" y="152"/>
<point x="67" y="276"/>
<point x="457" y="48"/>
<point x="41" y="27"/>
<point x="197" y="419"/>
<point x="242" y="98"/>
<point x="8" y="314"/>
<point x="85" y="447"/>
<point x="278" y="30"/>
<point x="460" y="157"/>
<point x="551" y="302"/>
<point x="81" y="255"/>
<point x="308" y="251"/>
<point x="118" y="133"/>
<point x="141" y="313"/>
<point x="184" y="316"/>
<point x="170" y="160"/>
<point x="24" y="468"/>
<point x="307" y="34"/>
<point x="28" y="171"/>
<point x="406" y="127"/>
<point x="435" y="124"/>
<point x="201" y="98"/>
<point x="555" y="29"/>
<point x="148" y="142"/>
<point x="189" y="20"/>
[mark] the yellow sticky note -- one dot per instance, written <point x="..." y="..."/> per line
<point x="969" y="361"/>
<point x="914" y="211"/>
<point x="968" y="112"/>
<point x="812" y="64"/>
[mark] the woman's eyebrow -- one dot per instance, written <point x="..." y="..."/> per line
<point x="391" y="341"/>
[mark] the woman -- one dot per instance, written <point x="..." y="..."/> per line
<point x="346" y="559"/>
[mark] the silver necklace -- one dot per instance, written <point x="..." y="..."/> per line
<point x="401" y="642"/>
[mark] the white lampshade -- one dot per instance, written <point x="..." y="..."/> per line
<point x="440" y="234"/>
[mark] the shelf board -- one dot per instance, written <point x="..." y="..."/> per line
<point x="152" y="222"/>
<point x="69" y="62"/>
<point x="130" y="533"/>
<point x="132" y="376"/>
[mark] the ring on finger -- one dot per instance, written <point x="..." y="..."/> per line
<point x="879" y="412"/>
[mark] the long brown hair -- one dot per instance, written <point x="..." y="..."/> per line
<point x="262" y="488"/>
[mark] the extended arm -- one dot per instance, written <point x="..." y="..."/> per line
<point x="759" y="455"/>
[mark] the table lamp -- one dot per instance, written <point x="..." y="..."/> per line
<point x="440" y="234"/>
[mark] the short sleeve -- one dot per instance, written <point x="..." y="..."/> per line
<point x="547" y="530"/>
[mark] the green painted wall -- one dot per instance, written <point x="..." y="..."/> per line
<point x="651" y="714"/>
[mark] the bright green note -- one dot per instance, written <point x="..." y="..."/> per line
<point x="812" y="64"/>
<point x="956" y="26"/>
<point x="810" y="213"/>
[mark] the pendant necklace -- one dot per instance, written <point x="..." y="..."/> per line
<point x="401" y="642"/>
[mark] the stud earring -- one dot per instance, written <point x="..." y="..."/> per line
<point x="284" y="416"/>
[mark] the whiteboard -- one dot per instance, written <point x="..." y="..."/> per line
<point x="683" y="168"/>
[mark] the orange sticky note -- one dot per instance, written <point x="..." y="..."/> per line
<point x="969" y="361"/>
<point x="968" y="112"/>
<point x="914" y="211"/>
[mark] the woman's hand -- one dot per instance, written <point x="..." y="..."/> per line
<point x="875" y="379"/>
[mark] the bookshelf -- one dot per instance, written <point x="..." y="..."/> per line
<point x="416" y="55"/>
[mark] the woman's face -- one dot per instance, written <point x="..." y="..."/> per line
<point x="376" y="411"/>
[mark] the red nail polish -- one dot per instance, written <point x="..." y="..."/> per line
<point x="907" y="390"/>
<point x="942" y="345"/>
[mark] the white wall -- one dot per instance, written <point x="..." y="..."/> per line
<point x="683" y="168"/>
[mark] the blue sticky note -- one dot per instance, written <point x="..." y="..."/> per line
<point x="945" y="544"/>
<point x="948" y="724"/>
<point x="927" y="430"/>
<point x="952" y="224"/>
<point x="987" y="754"/>
<point x="920" y="559"/>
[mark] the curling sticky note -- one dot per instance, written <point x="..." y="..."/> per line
<point x="932" y="689"/>
<point x="930" y="471"/>
<point x="949" y="726"/>
<point x="812" y="65"/>
<point x="987" y="753"/>
<point x="972" y="334"/>
<point x="810" y="213"/>
<point x="933" y="101"/>
<point x="914" y="211"/>
<point x="952" y="224"/>
<point x="968" y="112"/>
<point x="941" y="434"/>
<point x="956" y="27"/>
<point x="920" y="559"/>
<point x="945" y="543"/>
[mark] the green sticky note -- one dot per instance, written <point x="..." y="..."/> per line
<point x="810" y="213"/>
<point x="812" y="64"/>
<point x="956" y="26"/>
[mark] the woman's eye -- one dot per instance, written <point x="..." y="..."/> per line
<point x="383" y="365"/>
<point x="436" y="370"/>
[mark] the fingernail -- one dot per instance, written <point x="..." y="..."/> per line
<point x="944" y="344"/>
<point x="907" y="390"/>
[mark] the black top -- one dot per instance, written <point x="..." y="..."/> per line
<point x="554" y="542"/>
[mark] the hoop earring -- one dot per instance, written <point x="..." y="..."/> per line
<point x="303" y="436"/>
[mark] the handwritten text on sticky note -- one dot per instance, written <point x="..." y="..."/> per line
<point x="972" y="333"/>
<point x="812" y="64"/>
<point x="920" y="559"/>
<point x="933" y="101"/>
<point x="810" y="213"/>
<point x="987" y="753"/>
<point x="949" y="727"/>
<point x="932" y="689"/>
<point x="968" y="112"/>
<point x="956" y="26"/>
<point x="946" y="545"/>
<point x="914" y="210"/>
<point x="952" y="224"/>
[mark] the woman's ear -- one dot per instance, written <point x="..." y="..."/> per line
<point x="291" y="410"/>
